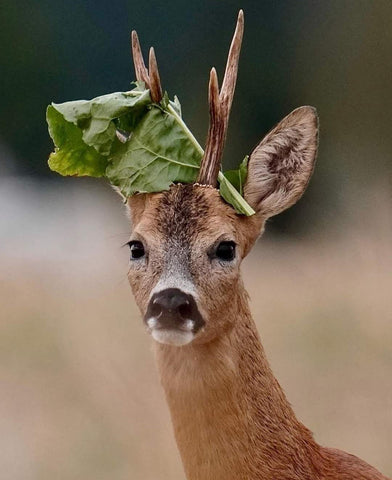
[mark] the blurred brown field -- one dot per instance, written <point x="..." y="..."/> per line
<point x="80" y="396"/>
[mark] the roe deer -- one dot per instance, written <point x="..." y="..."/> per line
<point x="231" y="418"/>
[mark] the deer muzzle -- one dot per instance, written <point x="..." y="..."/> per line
<point x="173" y="317"/>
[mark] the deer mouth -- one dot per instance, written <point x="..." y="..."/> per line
<point x="173" y="317"/>
<point x="172" y="336"/>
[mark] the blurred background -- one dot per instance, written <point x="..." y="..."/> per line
<point x="79" y="394"/>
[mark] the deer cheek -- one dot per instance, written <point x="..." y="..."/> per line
<point x="138" y="289"/>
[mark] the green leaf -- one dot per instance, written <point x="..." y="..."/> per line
<point x="231" y="185"/>
<point x="238" y="177"/>
<point x="72" y="156"/>
<point x="176" y="105"/>
<point x="159" y="152"/>
<point x="165" y="100"/>
<point x="95" y="117"/>
<point x="160" y="149"/>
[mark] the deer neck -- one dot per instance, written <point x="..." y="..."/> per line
<point x="230" y="416"/>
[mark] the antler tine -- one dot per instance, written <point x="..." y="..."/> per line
<point x="155" y="82"/>
<point x="210" y="163"/>
<point x="230" y="78"/>
<point x="140" y="68"/>
<point x="220" y="105"/>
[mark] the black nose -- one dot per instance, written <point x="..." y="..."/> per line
<point x="174" y="309"/>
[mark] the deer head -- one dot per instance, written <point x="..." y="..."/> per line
<point x="187" y="244"/>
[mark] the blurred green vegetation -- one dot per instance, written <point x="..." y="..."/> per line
<point x="333" y="54"/>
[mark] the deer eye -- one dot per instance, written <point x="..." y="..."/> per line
<point x="225" y="251"/>
<point x="137" y="249"/>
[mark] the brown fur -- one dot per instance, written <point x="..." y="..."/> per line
<point x="231" y="418"/>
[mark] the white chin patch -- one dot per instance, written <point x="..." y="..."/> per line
<point x="172" y="337"/>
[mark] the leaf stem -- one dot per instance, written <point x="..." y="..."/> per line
<point x="247" y="209"/>
<point x="186" y="129"/>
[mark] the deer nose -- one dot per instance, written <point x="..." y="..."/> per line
<point x="173" y="309"/>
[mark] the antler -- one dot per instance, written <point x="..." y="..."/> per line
<point x="220" y="105"/>
<point x="150" y="77"/>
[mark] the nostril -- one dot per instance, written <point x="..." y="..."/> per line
<point x="185" y="310"/>
<point x="155" y="307"/>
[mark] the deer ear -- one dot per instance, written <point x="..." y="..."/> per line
<point x="281" y="165"/>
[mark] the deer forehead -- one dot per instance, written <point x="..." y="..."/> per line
<point x="183" y="216"/>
